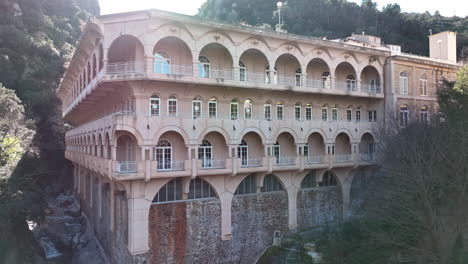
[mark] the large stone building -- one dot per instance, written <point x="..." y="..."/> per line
<point x="195" y="141"/>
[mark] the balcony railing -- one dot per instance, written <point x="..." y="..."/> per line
<point x="373" y="89"/>
<point x="285" y="161"/>
<point x="257" y="77"/>
<point x="213" y="164"/>
<point x="174" y="69"/>
<point x="174" y="165"/>
<point x="226" y="74"/>
<point x="367" y="157"/>
<point x="125" y="67"/>
<point x="127" y="166"/>
<point x="251" y="163"/>
<point x="343" y="158"/>
<point x="349" y="86"/>
<point x="291" y="81"/>
<point x="315" y="159"/>
<point x="318" y="84"/>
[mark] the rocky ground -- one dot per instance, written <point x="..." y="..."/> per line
<point x="65" y="237"/>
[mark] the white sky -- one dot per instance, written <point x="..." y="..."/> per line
<point x="190" y="7"/>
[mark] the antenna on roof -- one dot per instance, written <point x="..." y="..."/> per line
<point x="430" y="32"/>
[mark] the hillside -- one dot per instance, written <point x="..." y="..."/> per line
<point x="339" y="18"/>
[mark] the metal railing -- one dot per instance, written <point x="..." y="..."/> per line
<point x="291" y="81"/>
<point x="174" y="165"/>
<point x="251" y="163"/>
<point x="350" y="86"/>
<point x="125" y="67"/>
<point x="127" y="166"/>
<point x="373" y="89"/>
<point x="213" y="164"/>
<point x="367" y="157"/>
<point x="285" y="161"/>
<point x="174" y="69"/>
<point x="257" y="77"/>
<point x="315" y="159"/>
<point x="318" y="84"/>
<point x="343" y="158"/>
<point x="212" y="73"/>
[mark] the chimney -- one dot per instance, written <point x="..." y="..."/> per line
<point x="443" y="46"/>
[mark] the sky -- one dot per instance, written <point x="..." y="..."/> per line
<point x="190" y="7"/>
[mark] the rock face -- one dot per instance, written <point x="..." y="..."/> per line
<point x="64" y="236"/>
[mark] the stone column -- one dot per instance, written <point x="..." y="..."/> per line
<point x="138" y="220"/>
<point x="292" y="206"/>
<point x="226" y="205"/>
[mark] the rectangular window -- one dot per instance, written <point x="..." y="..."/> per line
<point x="404" y="118"/>
<point x="375" y="116"/>
<point x="306" y="150"/>
<point x="234" y="110"/>
<point x="308" y="113"/>
<point x="423" y="87"/>
<point x="279" y="112"/>
<point x="403" y="85"/>
<point x="248" y="110"/>
<point x="172" y="107"/>
<point x="297" y="113"/>
<point x="196" y="109"/>
<point x="349" y="114"/>
<point x="334" y="114"/>
<point x="212" y="109"/>
<point x="324" y="114"/>
<point x="370" y="114"/>
<point x="358" y="115"/>
<point x="154" y="106"/>
<point x="267" y="109"/>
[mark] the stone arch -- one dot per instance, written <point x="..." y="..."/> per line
<point x="287" y="130"/>
<point x="216" y="37"/>
<point x="319" y="131"/>
<point x="172" y="29"/>
<point x="316" y="68"/>
<point x="320" y="53"/>
<point x="125" y="48"/>
<point x="262" y="177"/>
<point x="347" y="132"/>
<point x="258" y="131"/>
<point x="208" y="130"/>
<point x="165" y="129"/>
<point x="129" y="129"/>
<point x="178" y="49"/>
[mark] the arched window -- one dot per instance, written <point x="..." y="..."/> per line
<point x="277" y="152"/>
<point x="234" y="109"/>
<point x="172" y="105"/>
<point x="268" y="74"/>
<point x="205" y="154"/>
<point x="298" y="77"/>
<point x="328" y="179"/>
<point x="163" y="154"/>
<point x="267" y="110"/>
<point x="242" y="72"/>
<point x="309" y="181"/>
<point x="297" y="111"/>
<point x="423" y="114"/>
<point x="404" y="115"/>
<point x="154" y="105"/>
<point x="247" y="186"/>
<point x="203" y="67"/>
<point x="196" y="107"/>
<point x="170" y="192"/>
<point x="94" y="66"/>
<point x="279" y="111"/>
<point x="200" y="189"/>
<point x="243" y="153"/>
<point x="351" y="83"/>
<point x="326" y="80"/>
<point x="403" y="83"/>
<point x="162" y="62"/>
<point x="423" y="85"/>
<point x="213" y="108"/>
<point x="248" y="109"/>
<point x="271" y="184"/>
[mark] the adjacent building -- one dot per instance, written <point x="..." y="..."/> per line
<point x="197" y="142"/>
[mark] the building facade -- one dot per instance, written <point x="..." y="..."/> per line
<point x="197" y="142"/>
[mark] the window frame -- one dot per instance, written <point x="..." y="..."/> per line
<point x="403" y="83"/>
<point x="235" y="103"/>
<point x="308" y="112"/>
<point x="297" y="107"/>
<point x="200" y="102"/>
<point x="280" y="105"/>
<point x="265" y="106"/>
<point x="215" y="102"/>
<point x="158" y="99"/>
<point x="172" y="98"/>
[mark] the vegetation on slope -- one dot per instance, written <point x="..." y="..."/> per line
<point x="339" y="19"/>
<point x="37" y="39"/>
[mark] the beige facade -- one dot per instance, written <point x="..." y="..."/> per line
<point x="156" y="96"/>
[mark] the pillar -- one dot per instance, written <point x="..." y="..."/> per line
<point x="138" y="219"/>
<point x="226" y="207"/>
<point x="292" y="206"/>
